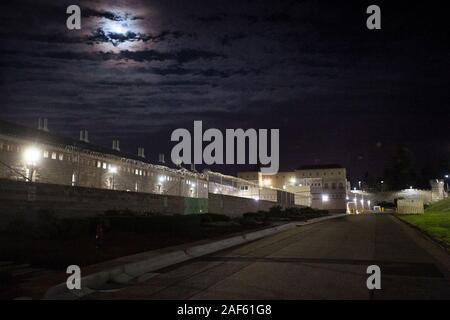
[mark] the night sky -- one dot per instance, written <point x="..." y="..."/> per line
<point x="338" y="92"/>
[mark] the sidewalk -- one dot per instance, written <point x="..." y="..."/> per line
<point x="125" y="269"/>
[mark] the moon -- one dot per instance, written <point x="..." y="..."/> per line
<point x="117" y="28"/>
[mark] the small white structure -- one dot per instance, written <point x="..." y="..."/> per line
<point x="410" y="206"/>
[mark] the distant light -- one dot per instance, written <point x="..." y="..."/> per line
<point x="193" y="185"/>
<point x="446" y="176"/>
<point x="346" y="198"/>
<point x="354" y="188"/>
<point x="325" y="198"/>
<point x="284" y="187"/>
<point x="382" y="181"/>
<point x="32" y="155"/>
<point x="293" y="180"/>
<point x="161" y="178"/>
<point x="368" y="202"/>
<point x="410" y="187"/>
<point x="216" y="190"/>
<point x="355" y="199"/>
<point x="362" y="201"/>
<point x="267" y="182"/>
<point x="256" y="198"/>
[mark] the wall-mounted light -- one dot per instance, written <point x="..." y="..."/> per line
<point x="32" y="156"/>
<point x="325" y="198"/>
<point x="112" y="170"/>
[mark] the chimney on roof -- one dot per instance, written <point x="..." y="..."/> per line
<point x="141" y="152"/>
<point x="116" y="145"/>
<point x="84" y="136"/>
<point x="161" y="158"/>
<point x="43" y="124"/>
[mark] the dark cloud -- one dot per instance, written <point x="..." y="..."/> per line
<point x="89" y="12"/>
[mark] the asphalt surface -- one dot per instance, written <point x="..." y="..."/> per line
<point x="327" y="260"/>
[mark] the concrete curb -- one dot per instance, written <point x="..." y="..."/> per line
<point x="127" y="272"/>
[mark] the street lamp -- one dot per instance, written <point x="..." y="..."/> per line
<point x="32" y="156"/>
<point x="113" y="171"/>
<point x="359" y="184"/>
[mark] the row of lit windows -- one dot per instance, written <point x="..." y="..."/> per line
<point x="333" y="186"/>
<point x="9" y="147"/>
<point x="99" y="164"/>
<point x="319" y="174"/>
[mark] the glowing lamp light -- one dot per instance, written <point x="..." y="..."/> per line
<point x="267" y="182"/>
<point x="362" y="201"/>
<point x="32" y="155"/>
<point x="293" y="180"/>
<point x="161" y="179"/>
<point x="113" y="170"/>
<point x="325" y="198"/>
<point x="256" y="198"/>
<point x="193" y="185"/>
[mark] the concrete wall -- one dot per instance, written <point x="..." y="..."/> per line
<point x="25" y="199"/>
<point x="409" y="206"/>
<point x="236" y="206"/>
<point x="18" y="198"/>
<point x="424" y="195"/>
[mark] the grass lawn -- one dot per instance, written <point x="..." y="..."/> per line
<point x="435" y="221"/>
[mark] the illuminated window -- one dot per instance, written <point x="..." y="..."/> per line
<point x="45" y="154"/>
<point x="54" y="155"/>
<point x="61" y="157"/>
<point x="104" y="165"/>
<point x="99" y="164"/>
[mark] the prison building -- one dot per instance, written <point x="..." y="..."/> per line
<point x="37" y="155"/>
<point x="316" y="186"/>
<point x="65" y="161"/>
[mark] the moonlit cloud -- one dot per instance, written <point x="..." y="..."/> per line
<point x="307" y="67"/>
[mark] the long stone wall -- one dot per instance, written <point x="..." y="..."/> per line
<point x="25" y="199"/>
<point x="236" y="206"/>
<point x="390" y="196"/>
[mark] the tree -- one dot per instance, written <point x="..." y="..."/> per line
<point x="400" y="172"/>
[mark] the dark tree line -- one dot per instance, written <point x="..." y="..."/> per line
<point x="401" y="172"/>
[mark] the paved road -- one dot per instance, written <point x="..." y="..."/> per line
<point x="327" y="260"/>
